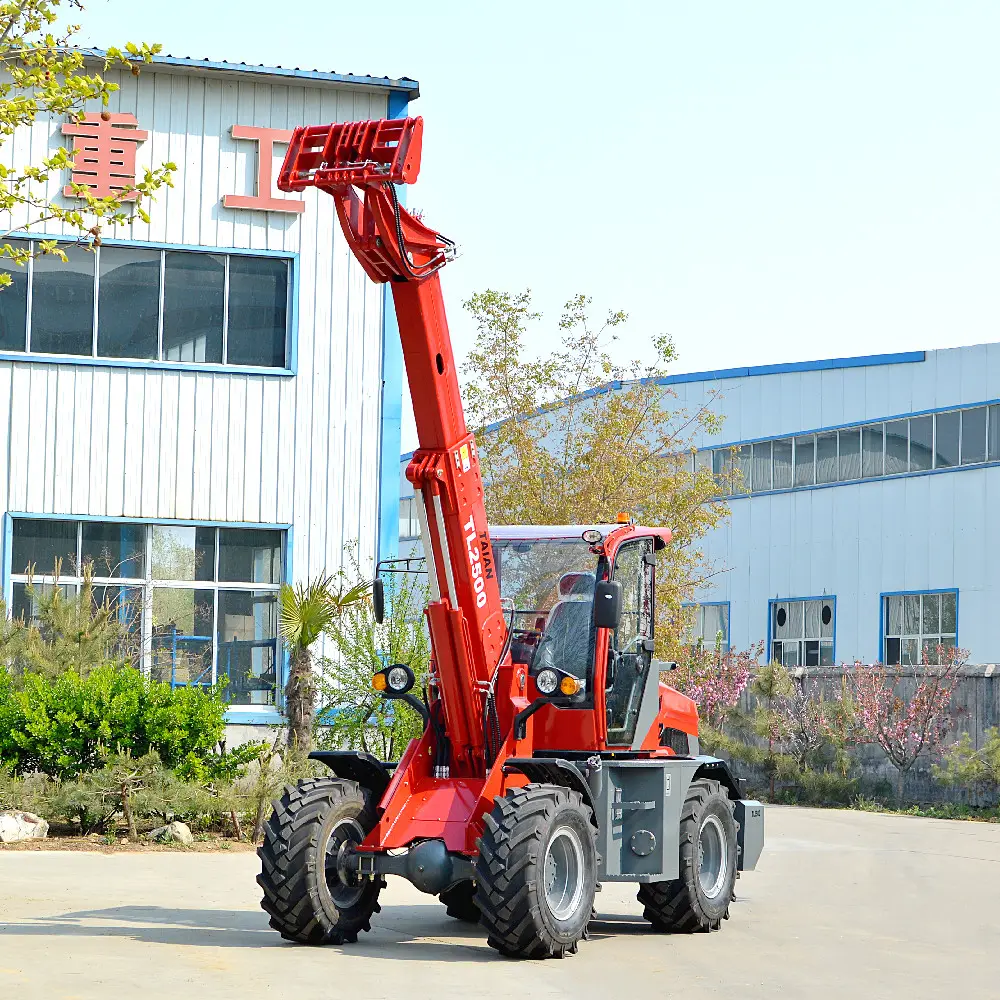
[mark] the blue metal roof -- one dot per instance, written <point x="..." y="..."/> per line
<point x="405" y="84"/>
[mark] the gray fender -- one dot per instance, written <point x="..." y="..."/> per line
<point x="554" y="771"/>
<point x="719" y="770"/>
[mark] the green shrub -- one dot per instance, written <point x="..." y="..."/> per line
<point x="71" y="724"/>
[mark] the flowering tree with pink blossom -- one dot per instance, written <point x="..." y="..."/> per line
<point x="715" y="680"/>
<point x="905" y="728"/>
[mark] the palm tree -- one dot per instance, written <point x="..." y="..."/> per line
<point x="307" y="612"/>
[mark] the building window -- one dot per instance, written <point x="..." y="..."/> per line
<point x="916" y="625"/>
<point x="140" y="303"/>
<point x="946" y="440"/>
<point x="710" y="625"/>
<point x="409" y="523"/>
<point x="200" y="603"/>
<point x="802" y="632"/>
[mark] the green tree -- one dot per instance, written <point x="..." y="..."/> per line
<point x="46" y="77"/>
<point x="576" y="436"/>
<point x="976" y="771"/>
<point x="355" y="716"/>
<point x="309" y="611"/>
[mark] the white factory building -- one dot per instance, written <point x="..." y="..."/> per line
<point x="862" y="524"/>
<point x="208" y="405"/>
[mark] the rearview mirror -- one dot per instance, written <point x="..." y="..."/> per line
<point x="608" y="604"/>
<point x="378" y="599"/>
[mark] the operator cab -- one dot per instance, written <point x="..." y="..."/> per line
<point x="548" y="577"/>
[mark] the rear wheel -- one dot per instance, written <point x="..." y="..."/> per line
<point x="460" y="900"/>
<point x="305" y="895"/>
<point x="537" y="872"/>
<point x="699" y="899"/>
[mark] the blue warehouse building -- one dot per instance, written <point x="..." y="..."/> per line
<point x="862" y="493"/>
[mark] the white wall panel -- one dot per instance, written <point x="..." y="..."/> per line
<point x="147" y="443"/>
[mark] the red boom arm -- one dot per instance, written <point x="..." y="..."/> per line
<point x="464" y="616"/>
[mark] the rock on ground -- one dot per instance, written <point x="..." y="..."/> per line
<point x="17" y="825"/>
<point x="176" y="831"/>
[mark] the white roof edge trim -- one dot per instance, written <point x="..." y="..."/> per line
<point x="516" y="532"/>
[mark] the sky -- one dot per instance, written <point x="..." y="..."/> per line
<point x="765" y="182"/>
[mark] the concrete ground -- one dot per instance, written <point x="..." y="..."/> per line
<point x="842" y="904"/>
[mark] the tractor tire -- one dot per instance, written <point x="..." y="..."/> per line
<point x="536" y="872"/>
<point x="699" y="899"/>
<point x="460" y="901"/>
<point x="304" y="895"/>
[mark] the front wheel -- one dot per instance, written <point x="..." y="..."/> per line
<point x="699" y="899"/>
<point x="537" y="872"/>
<point x="305" y="894"/>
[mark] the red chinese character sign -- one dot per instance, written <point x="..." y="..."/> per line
<point x="264" y="200"/>
<point x="104" y="149"/>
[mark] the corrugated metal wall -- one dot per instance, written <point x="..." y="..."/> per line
<point x="858" y="540"/>
<point x="141" y="442"/>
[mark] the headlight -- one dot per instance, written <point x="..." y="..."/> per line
<point x="547" y="681"/>
<point x="400" y="678"/>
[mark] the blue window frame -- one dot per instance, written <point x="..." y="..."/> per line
<point x="155" y="305"/>
<point x="916" y="624"/>
<point x="801" y="631"/>
<point x="710" y="624"/>
<point x="198" y="601"/>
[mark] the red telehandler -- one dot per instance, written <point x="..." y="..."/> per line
<point x="552" y="757"/>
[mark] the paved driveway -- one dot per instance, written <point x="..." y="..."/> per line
<point x="844" y="904"/>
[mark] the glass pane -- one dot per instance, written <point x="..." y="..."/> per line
<point x="826" y="653"/>
<point x="826" y="457"/>
<point x="994" y="433"/>
<point x="911" y="614"/>
<point x="249" y="555"/>
<point x="896" y="438"/>
<point x="258" y="311"/>
<point x="790" y="654"/>
<point x="723" y="610"/>
<point x="931" y="616"/>
<point x="928" y="651"/>
<point x="183" y="553"/>
<point x="248" y="645"/>
<point x="193" y="292"/>
<point x="128" y="306"/>
<point x="974" y="435"/>
<point x="796" y="619"/>
<point x="871" y="451"/>
<point x="703" y="461"/>
<point x="14" y="301"/>
<point x="779" y="623"/>
<point x="811" y="653"/>
<point x="892" y="651"/>
<point x="42" y="543"/>
<point x="182" y="635"/>
<point x="850" y="453"/>
<point x="921" y="444"/>
<point x="742" y="476"/>
<point x="911" y="651"/>
<point x="805" y="461"/>
<point x="115" y="549"/>
<point x="782" y="464"/>
<point x="126" y="603"/>
<point x="776" y="652"/>
<point x="25" y="598"/>
<point x="722" y="468"/>
<point x="62" y="303"/>
<point x="949" y="615"/>
<point x="946" y="440"/>
<point x="813" y="611"/>
<point x="826" y="619"/>
<point x="894" y="616"/>
<point x="761" y="466"/>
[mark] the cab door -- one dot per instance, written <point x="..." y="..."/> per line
<point x="630" y="649"/>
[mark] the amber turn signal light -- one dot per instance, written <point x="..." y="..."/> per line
<point x="379" y="682"/>
<point x="569" y="685"/>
